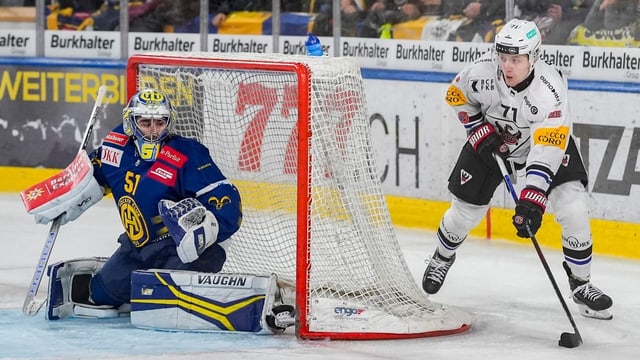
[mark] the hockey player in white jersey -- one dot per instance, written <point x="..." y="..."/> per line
<point x="516" y="106"/>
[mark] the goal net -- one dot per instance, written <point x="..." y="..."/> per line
<point x="292" y="133"/>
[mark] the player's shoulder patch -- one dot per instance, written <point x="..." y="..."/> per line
<point x="455" y="96"/>
<point x="558" y="136"/>
<point x="116" y="138"/>
<point x="111" y="156"/>
<point x="172" y="156"/>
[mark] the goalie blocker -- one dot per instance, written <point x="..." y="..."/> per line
<point x="174" y="299"/>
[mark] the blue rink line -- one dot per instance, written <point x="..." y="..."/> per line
<point x="27" y="337"/>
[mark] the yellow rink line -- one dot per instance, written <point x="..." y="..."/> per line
<point x="613" y="238"/>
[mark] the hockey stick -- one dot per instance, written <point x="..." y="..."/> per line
<point x="31" y="305"/>
<point x="567" y="340"/>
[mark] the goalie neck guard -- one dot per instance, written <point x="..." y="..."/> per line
<point x="148" y="118"/>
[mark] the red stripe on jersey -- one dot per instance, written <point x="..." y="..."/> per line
<point x="116" y="138"/>
<point x="172" y="156"/>
<point x="163" y="174"/>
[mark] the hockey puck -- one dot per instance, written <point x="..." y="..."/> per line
<point x="570" y="340"/>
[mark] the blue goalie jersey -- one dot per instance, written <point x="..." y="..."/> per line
<point x="182" y="169"/>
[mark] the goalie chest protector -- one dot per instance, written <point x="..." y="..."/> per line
<point x="189" y="300"/>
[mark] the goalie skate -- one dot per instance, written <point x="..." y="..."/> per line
<point x="283" y="316"/>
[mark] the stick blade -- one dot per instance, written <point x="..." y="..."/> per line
<point x="31" y="306"/>
<point x="570" y="340"/>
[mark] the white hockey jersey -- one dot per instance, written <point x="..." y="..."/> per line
<point x="535" y="122"/>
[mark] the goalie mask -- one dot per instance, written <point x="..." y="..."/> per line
<point x="519" y="37"/>
<point x="148" y="119"/>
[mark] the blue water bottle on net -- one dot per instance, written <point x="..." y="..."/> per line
<point x="314" y="48"/>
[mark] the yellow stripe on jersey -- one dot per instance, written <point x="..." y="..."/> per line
<point x="552" y="136"/>
<point x="454" y="96"/>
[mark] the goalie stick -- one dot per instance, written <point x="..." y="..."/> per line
<point x="567" y="339"/>
<point x="31" y="305"/>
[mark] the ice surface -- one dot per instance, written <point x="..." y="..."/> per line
<point x="517" y="314"/>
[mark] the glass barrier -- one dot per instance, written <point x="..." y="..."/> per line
<point x="188" y="25"/>
<point x="562" y="22"/>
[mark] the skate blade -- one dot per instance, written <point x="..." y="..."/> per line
<point x="590" y="313"/>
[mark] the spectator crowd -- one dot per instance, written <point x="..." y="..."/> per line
<point x="561" y="22"/>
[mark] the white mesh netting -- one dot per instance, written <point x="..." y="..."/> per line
<point x="247" y="116"/>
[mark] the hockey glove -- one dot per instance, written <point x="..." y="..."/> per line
<point x="486" y="141"/>
<point x="529" y="210"/>
<point x="191" y="225"/>
<point x="82" y="193"/>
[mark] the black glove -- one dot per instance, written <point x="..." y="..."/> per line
<point x="486" y="141"/>
<point x="529" y="210"/>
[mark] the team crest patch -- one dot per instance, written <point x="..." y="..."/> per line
<point x="463" y="116"/>
<point x="464" y="177"/>
<point x="111" y="156"/>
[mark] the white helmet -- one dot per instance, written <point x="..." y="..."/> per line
<point x="519" y="37"/>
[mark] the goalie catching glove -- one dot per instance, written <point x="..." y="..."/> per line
<point x="191" y="225"/>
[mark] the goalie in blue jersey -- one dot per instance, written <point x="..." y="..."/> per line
<point x="178" y="211"/>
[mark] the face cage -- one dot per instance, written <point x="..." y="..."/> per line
<point x="137" y="133"/>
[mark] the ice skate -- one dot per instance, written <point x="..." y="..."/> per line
<point x="436" y="272"/>
<point x="591" y="301"/>
<point x="282" y="317"/>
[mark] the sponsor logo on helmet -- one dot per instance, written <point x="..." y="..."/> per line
<point x="505" y="49"/>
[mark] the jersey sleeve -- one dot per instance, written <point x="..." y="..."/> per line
<point x="549" y="137"/>
<point x="203" y="180"/>
<point x="468" y="110"/>
<point x="97" y="170"/>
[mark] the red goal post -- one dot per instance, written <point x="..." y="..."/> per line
<point x="292" y="132"/>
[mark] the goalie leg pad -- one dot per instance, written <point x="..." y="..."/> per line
<point x="69" y="294"/>
<point x="190" y="300"/>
